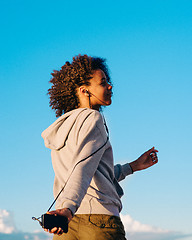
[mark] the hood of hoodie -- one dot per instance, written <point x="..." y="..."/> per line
<point x="56" y="134"/>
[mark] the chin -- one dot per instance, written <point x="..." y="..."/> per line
<point x="108" y="103"/>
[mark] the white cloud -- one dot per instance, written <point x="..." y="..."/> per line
<point x="8" y="230"/>
<point x="132" y="225"/>
<point x="6" y="222"/>
<point x="139" y="231"/>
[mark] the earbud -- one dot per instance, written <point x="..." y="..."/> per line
<point x="87" y="92"/>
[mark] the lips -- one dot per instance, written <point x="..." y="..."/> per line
<point x="109" y="94"/>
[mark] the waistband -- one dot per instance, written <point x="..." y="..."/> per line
<point x="99" y="220"/>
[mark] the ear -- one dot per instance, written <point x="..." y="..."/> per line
<point x="83" y="90"/>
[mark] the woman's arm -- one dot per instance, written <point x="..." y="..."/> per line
<point x="146" y="160"/>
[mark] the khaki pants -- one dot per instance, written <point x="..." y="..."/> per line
<point x="94" y="227"/>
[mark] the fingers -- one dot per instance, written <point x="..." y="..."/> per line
<point x="57" y="231"/>
<point x="62" y="212"/>
<point x="52" y="213"/>
<point x="153" y="154"/>
<point x="54" y="230"/>
<point x="154" y="157"/>
<point x="152" y="150"/>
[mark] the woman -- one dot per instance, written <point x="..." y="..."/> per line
<point x="82" y="154"/>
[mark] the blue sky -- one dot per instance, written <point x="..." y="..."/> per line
<point x="148" y="48"/>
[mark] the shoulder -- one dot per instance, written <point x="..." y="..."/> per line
<point x="90" y="116"/>
<point x="90" y="121"/>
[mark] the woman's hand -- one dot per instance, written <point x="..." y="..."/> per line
<point x="146" y="160"/>
<point x="63" y="212"/>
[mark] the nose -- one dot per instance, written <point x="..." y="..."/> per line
<point x="109" y="86"/>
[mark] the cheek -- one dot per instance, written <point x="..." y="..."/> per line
<point x="100" y="91"/>
<point x="103" y="93"/>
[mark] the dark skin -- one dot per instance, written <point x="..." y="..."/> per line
<point x="146" y="160"/>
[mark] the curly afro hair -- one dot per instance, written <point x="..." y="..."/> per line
<point x="63" y="93"/>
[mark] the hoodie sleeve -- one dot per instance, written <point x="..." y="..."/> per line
<point x="121" y="171"/>
<point x="91" y="137"/>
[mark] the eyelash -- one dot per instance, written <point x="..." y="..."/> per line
<point x="103" y="83"/>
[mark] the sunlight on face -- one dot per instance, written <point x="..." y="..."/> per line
<point x="100" y="90"/>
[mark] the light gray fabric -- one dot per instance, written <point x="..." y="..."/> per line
<point x="92" y="185"/>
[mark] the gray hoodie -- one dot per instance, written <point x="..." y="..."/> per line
<point x="82" y="159"/>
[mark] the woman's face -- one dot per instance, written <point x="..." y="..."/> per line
<point x="100" y="90"/>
